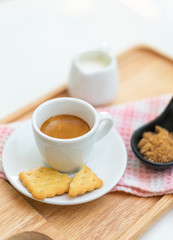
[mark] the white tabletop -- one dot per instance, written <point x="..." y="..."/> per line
<point x="38" y="39"/>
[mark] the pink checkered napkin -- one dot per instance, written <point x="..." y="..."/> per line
<point x="137" y="179"/>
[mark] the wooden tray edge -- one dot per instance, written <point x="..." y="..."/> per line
<point x="145" y="47"/>
<point x="148" y="219"/>
<point x="31" y="106"/>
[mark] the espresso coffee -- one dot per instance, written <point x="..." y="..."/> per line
<point x="65" y="127"/>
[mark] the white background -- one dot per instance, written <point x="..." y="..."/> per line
<point x="39" y="38"/>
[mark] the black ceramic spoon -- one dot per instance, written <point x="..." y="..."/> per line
<point x="164" y="120"/>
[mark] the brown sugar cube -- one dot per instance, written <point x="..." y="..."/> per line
<point x="45" y="182"/>
<point x="85" y="180"/>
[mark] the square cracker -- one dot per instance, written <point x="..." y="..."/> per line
<point x="45" y="182"/>
<point x="85" y="180"/>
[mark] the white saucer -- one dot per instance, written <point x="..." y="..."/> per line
<point x="108" y="160"/>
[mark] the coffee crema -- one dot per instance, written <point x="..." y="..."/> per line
<point x="65" y="126"/>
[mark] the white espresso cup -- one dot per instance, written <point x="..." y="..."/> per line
<point x="67" y="155"/>
<point x="94" y="77"/>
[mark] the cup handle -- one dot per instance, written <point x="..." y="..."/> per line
<point x="105" y="124"/>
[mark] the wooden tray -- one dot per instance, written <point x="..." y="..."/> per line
<point x="121" y="216"/>
<point x="16" y="216"/>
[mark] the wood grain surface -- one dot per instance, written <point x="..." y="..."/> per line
<point x="143" y="73"/>
<point x="150" y="217"/>
<point x="16" y="216"/>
